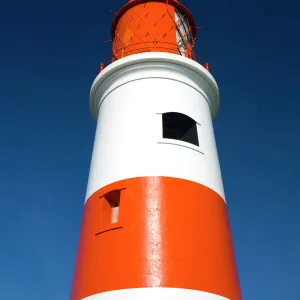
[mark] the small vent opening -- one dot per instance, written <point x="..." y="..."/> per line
<point x="113" y="199"/>
<point x="115" y="213"/>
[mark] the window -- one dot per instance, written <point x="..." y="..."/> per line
<point x="111" y="205"/>
<point x="178" y="126"/>
<point x="115" y="213"/>
<point x="110" y="215"/>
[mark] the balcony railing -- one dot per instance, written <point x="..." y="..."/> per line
<point x="153" y="46"/>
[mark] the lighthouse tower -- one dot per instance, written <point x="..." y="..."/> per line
<point x="155" y="223"/>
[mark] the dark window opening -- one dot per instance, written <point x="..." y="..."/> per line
<point x="180" y="127"/>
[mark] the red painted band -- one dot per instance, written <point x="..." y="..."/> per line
<point x="166" y="232"/>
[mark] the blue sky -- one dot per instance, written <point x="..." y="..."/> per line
<point x="49" y="56"/>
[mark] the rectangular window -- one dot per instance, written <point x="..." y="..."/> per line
<point x="181" y="127"/>
<point x="110" y="214"/>
<point x="112" y="207"/>
<point x="115" y="214"/>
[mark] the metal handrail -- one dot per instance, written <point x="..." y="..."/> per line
<point x="148" y="48"/>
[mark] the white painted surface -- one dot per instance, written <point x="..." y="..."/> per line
<point x="155" y="294"/>
<point x="129" y="97"/>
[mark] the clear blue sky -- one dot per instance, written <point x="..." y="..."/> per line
<point x="49" y="55"/>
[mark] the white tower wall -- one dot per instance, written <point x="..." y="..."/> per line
<point x="128" y="99"/>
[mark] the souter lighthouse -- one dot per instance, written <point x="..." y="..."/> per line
<point x="155" y="223"/>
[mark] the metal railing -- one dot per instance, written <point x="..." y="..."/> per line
<point x="153" y="46"/>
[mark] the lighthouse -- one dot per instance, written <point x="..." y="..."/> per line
<point x="155" y="223"/>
